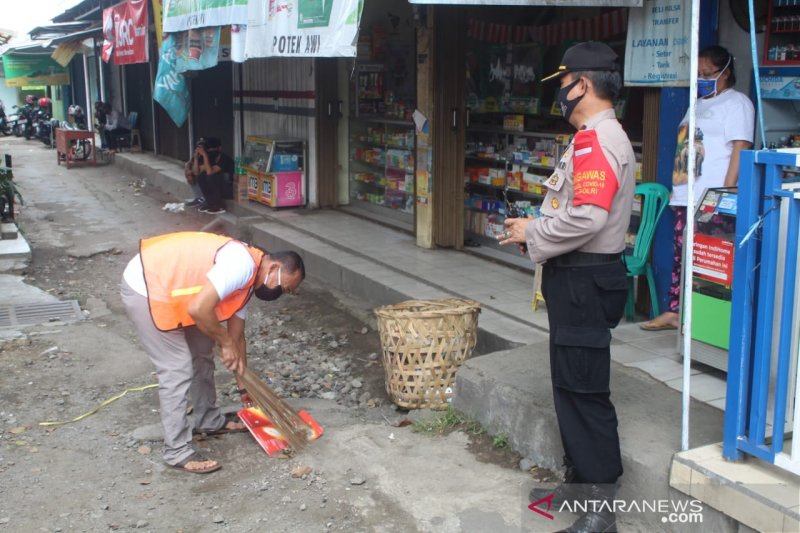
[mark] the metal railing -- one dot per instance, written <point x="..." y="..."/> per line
<point x="763" y="397"/>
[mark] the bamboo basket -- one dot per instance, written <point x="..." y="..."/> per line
<point x="424" y="343"/>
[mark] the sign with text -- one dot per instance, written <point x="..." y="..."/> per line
<point x="33" y="70"/>
<point x="713" y="259"/>
<point x="125" y="33"/>
<point x="658" y="48"/>
<point x="182" y="15"/>
<point x="302" y="28"/>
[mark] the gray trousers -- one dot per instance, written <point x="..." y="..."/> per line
<point x="184" y="362"/>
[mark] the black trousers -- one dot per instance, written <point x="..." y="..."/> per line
<point x="111" y="136"/>
<point x="216" y="188"/>
<point x="583" y="303"/>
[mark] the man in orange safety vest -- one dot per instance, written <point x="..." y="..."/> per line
<point x="185" y="293"/>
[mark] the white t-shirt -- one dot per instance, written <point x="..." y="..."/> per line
<point x="232" y="270"/>
<point x="721" y="120"/>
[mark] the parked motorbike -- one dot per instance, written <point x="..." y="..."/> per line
<point x="17" y="122"/>
<point x="5" y="127"/>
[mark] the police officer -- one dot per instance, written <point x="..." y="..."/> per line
<point x="579" y="238"/>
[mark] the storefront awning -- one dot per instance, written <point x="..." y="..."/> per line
<point x="555" y="3"/>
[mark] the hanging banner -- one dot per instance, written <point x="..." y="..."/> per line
<point x="196" y="49"/>
<point x="302" y="28"/>
<point x="125" y="33"/>
<point x="170" y="87"/>
<point x="658" y="48"/>
<point x="33" y="70"/>
<point x="181" y="15"/>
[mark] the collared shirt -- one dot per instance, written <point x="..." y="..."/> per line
<point x="564" y="227"/>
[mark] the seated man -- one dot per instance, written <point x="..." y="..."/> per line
<point x="116" y="125"/>
<point x="190" y="171"/>
<point x="214" y="172"/>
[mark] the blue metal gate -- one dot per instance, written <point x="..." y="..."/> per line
<point x="762" y="396"/>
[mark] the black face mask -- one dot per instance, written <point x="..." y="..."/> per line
<point x="568" y="106"/>
<point x="267" y="294"/>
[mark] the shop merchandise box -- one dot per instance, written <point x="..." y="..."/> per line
<point x="252" y="184"/>
<point x="241" y="189"/>
<point x="514" y="122"/>
<point x="281" y="189"/>
<point x="285" y="162"/>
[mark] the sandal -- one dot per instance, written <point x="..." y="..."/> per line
<point x="196" y="458"/>
<point x="224" y="430"/>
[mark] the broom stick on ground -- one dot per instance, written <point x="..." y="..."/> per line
<point x="285" y="419"/>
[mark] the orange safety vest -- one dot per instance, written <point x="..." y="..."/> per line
<point x="175" y="266"/>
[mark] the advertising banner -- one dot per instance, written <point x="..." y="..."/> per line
<point x="196" y="49"/>
<point x="125" y="33"/>
<point x="170" y="87"/>
<point x="24" y="70"/>
<point x="658" y="48"/>
<point x="713" y="259"/>
<point x="780" y="83"/>
<point x="181" y="15"/>
<point x="302" y="28"/>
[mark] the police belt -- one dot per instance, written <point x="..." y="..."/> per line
<point x="576" y="259"/>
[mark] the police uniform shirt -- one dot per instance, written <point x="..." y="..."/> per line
<point x="589" y="195"/>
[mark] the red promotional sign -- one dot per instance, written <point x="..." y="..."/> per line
<point x="125" y="32"/>
<point x="713" y="259"/>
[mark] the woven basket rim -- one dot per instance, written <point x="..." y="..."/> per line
<point x="429" y="308"/>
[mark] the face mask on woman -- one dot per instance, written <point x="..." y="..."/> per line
<point x="708" y="87"/>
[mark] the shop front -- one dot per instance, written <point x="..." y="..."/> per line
<point x="380" y="132"/>
<point x="501" y="136"/>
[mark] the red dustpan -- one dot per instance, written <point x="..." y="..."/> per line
<point x="265" y="433"/>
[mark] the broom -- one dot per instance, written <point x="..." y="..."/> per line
<point x="285" y="419"/>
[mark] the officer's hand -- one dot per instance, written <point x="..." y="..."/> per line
<point x="515" y="231"/>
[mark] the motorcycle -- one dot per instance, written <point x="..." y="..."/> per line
<point x="81" y="149"/>
<point x="18" y="122"/>
<point x="5" y="126"/>
<point x="29" y="113"/>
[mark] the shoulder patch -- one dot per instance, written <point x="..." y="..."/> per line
<point x="594" y="180"/>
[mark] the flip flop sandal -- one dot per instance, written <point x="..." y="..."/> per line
<point x="229" y="417"/>
<point x="662" y="327"/>
<point x="195" y="457"/>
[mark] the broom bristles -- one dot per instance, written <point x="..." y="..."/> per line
<point x="285" y="419"/>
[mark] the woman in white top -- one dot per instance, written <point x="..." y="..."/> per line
<point x="725" y="121"/>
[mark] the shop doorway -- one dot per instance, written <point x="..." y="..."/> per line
<point x="329" y="111"/>
<point x="212" y="104"/>
<point x="448" y="127"/>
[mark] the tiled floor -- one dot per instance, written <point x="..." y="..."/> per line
<point x="505" y="290"/>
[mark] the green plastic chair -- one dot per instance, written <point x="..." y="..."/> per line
<point x="655" y="198"/>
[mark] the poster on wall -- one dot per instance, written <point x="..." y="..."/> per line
<point x="33" y="70"/>
<point x="125" y="33"/>
<point x="302" y="28"/>
<point x="182" y="15"/>
<point x="503" y="78"/>
<point x="658" y="48"/>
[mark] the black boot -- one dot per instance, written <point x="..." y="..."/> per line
<point x="568" y="490"/>
<point x="601" y="517"/>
